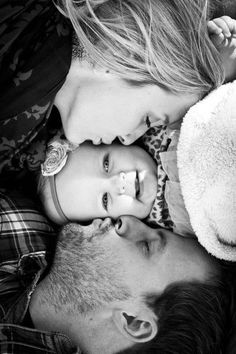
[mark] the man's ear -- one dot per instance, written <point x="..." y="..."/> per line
<point x="140" y="328"/>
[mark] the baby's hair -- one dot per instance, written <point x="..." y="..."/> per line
<point x="162" y="42"/>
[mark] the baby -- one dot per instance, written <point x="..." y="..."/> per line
<point x="112" y="180"/>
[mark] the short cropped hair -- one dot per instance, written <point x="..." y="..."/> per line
<point x="161" y="42"/>
<point x="192" y="319"/>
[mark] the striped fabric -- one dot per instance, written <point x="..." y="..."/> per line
<point x="22" y="227"/>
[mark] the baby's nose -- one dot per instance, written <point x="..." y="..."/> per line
<point x="126" y="183"/>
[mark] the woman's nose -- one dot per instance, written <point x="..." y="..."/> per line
<point x="130" y="138"/>
<point x="127" y="139"/>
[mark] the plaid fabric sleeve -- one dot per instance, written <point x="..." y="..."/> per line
<point x="22" y="227"/>
<point x="25" y="238"/>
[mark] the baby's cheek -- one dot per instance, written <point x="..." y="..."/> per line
<point x="125" y="205"/>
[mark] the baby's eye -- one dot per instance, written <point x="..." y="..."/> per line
<point x="106" y="163"/>
<point x="105" y="201"/>
<point x="148" y="122"/>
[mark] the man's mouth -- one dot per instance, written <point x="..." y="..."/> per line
<point x="99" y="228"/>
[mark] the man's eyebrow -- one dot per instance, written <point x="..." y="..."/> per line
<point x="224" y="242"/>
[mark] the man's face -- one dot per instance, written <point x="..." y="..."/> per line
<point x="134" y="257"/>
<point x="107" y="181"/>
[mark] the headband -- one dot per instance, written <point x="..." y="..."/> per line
<point x="52" y="183"/>
<point x="56" y="157"/>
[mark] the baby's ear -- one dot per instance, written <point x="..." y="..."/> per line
<point x="138" y="327"/>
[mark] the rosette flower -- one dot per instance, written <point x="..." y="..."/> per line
<point x="56" y="156"/>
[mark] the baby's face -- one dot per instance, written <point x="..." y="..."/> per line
<point x="107" y="180"/>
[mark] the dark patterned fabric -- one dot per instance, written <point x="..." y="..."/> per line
<point x="26" y="243"/>
<point x="35" y="56"/>
<point x="155" y="141"/>
<point x="168" y="209"/>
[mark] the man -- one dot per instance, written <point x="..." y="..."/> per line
<point x="110" y="288"/>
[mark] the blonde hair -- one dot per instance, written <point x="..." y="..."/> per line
<point x="162" y="42"/>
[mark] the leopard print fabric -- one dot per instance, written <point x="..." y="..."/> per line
<point x="155" y="141"/>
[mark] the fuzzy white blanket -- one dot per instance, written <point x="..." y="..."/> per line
<point x="207" y="170"/>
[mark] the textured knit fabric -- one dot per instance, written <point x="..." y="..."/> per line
<point x="207" y="170"/>
<point x="35" y="57"/>
<point x="27" y="242"/>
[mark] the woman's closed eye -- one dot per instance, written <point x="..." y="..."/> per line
<point x="148" y="122"/>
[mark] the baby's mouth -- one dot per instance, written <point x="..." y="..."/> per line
<point x="137" y="185"/>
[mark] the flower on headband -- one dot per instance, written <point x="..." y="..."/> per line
<point x="56" y="156"/>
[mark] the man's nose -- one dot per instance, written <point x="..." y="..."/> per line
<point x="134" y="229"/>
<point x="124" y="183"/>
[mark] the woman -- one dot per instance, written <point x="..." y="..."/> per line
<point x="140" y="59"/>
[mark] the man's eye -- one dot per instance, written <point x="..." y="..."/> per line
<point x="148" y="122"/>
<point x="145" y="247"/>
<point x="105" y="201"/>
<point x="106" y="163"/>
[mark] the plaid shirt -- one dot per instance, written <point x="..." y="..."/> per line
<point x="26" y="242"/>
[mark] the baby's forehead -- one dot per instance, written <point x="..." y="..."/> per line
<point x="90" y="145"/>
<point x="90" y="153"/>
<point x="115" y="146"/>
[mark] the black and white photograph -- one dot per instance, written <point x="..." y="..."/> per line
<point x="117" y="176"/>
